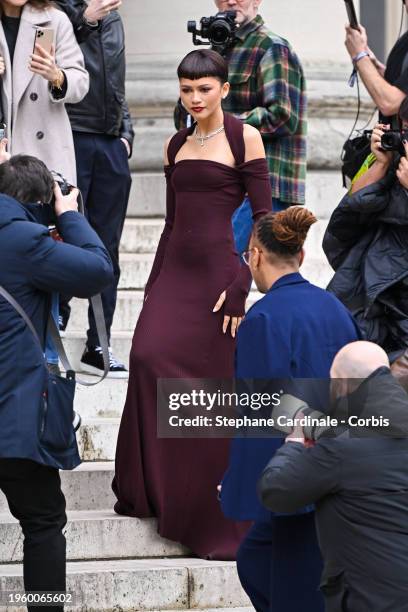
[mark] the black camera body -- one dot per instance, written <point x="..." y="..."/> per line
<point x="392" y="140"/>
<point x="65" y="187"/>
<point x="49" y="208"/>
<point x="219" y="30"/>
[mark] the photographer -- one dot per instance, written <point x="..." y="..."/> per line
<point x="103" y="139"/>
<point x="33" y="267"/>
<point x="388" y="85"/>
<point x="359" y="486"/>
<point x="268" y="91"/>
<point x="366" y="243"/>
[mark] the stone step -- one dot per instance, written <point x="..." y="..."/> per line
<point x="133" y="585"/>
<point x="317" y="271"/>
<point x="97" y="438"/>
<point x="95" y="534"/>
<point x="323" y="192"/>
<point x="105" y="400"/>
<point x="128" y="306"/>
<point x="74" y="343"/>
<point x="136" y="269"/>
<point x="130" y="302"/>
<point x="142" y="235"/>
<point x="86" y="488"/>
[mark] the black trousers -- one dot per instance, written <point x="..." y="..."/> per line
<point x="34" y="495"/>
<point x="103" y="176"/>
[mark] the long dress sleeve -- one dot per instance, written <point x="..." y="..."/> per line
<point x="161" y="249"/>
<point x="255" y="175"/>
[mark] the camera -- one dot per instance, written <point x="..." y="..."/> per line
<point x="218" y="30"/>
<point x="65" y="187"/>
<point x="50" y="218"/>
<point x="289" y="408"/>
<point x="392" y="140"/>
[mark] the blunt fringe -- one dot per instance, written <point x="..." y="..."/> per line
<point x="203" y="63"/>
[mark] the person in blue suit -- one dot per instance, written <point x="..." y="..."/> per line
<point x="293" y="332"/>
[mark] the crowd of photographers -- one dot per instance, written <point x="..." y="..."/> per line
<point x="68" y="112"/>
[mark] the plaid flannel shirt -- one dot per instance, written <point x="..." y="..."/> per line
<point x="268" y="91"/>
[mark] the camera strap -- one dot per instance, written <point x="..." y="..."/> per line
<point x="96" y="303"/>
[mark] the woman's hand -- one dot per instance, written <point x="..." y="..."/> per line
<point x="356" y="40"/>
<point x="4" y="156"/>
<point x="43" y="63"/>
<point x="382" y="157"/>
<point x="235" y="321"/>
<point x="2" y="65"/>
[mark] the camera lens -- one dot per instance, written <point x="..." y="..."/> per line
<point x="389" y="141"/>
<point x="219" y="33"/>
<point x="191" y="26"/>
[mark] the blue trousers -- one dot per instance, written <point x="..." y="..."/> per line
<point x="104" y="180"/>
<point x="279" y="565"/>
<point x="242" y="223"/>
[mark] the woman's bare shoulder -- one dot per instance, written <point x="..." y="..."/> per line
<point x="166" y="146"/>
<point x="254" y="147"/>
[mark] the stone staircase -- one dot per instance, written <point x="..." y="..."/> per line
<point x="119" y="563"/>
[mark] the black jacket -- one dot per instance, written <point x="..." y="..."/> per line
<point x="360" y="488"/>
<point x="104" y="109"/>
<point x="366" y="243"/>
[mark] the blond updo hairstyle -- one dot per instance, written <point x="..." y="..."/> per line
<point x="284" y="233"/>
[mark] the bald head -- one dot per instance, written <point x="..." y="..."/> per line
<point x="358" y="360"/>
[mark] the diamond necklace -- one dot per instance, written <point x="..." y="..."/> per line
<point x="210" y="135"/>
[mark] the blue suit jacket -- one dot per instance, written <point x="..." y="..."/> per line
<point x="295" y="331"/>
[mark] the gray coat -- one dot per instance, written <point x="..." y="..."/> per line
<point x="37" y="124"/>
<point x="360" y="487"/>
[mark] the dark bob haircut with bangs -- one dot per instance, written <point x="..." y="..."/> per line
<point x="203" y="63"/>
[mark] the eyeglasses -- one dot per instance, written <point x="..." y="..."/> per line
<point x="246" y="254"/>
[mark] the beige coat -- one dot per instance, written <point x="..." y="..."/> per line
<point x="36" y="123"/>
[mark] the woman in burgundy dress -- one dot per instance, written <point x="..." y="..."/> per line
<point x="194" y="302"/>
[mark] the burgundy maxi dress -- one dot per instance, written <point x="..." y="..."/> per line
<point x="178" y="336"/>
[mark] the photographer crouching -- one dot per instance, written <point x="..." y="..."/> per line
<point x="366" y="241"/>
<point x="34" y="265"/>
<point x="358" y="482"/>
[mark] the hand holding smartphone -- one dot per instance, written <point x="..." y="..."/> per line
<point x="352" y="15"/>
<point x="44" y="37"/>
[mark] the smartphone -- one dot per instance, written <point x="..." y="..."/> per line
<point x="352" y="15"/>
<point x="45" y="38"/>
